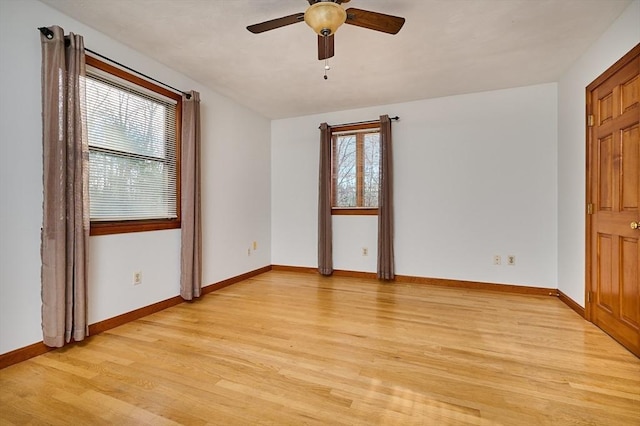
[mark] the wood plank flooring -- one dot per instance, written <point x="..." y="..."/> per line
<point x="289" y="348"/>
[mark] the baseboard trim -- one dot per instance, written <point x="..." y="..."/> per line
<point x="114" y="322"/>
<point x="572" y="304"/>
<point x="225" y="283"/>
<point x="505" y="288"/>
<point x="39" y="348"/>
<point x="23" y="354"/>
<point x="337" y="272"/>
<point x="288" y="268"/>
<point x="476" y="285"/>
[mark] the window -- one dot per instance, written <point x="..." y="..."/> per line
<point x="133" y="134"/>
<point x="355" y="168"/>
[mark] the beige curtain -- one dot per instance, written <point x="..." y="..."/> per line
<point x="191" y="247"/>
<point x="386" y="269"/>
<point x="325" y="236"/>
<point x="65" y="225"/>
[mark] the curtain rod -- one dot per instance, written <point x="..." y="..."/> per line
<point x="396" y="118"/>
<point x="49" y="34"/>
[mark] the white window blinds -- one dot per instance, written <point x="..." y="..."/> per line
<point x="132" y="151"/>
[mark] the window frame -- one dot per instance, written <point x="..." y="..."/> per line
<point x="358" y="128"/>
<point x="142" y="225"/>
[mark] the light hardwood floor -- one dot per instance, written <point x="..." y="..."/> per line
<point x="292" y="348"/>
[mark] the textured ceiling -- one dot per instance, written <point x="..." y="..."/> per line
<point x="446" y="47"/>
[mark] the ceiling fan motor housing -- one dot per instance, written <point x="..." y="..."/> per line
<point x="324" y="17"/>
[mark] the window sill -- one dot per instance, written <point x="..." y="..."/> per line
<point x="354" y="211"/>
<point x="126" y="226"/>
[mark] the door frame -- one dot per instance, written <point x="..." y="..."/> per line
<point x="589" y="284"/>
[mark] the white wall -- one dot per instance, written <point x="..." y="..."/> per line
<point x="475" y="175"/>
<point x="236" y="188"/>
<point x="623" y="34"/>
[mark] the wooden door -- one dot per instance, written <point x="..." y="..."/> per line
<point x="613" y="201"/>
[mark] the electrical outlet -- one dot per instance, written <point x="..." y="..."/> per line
<point x="137" y="277"/>
<point x="365" y="251"/>
<point x="497" y="260"/>
<point x="255" y="245"/>
<point x="511" y="260"/>
<point x="249" y="251"/>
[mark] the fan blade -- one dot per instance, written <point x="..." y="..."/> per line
<point x="374" y="20"/>
<point x="276" y="23"/>
<point x="325" y="47"/>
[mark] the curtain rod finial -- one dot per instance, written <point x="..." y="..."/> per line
<point x="46" y="32"/>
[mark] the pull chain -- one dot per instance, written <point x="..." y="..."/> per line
<point x="326" y="34"/>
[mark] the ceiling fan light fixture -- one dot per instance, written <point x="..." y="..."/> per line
<point x="324" y="17"/>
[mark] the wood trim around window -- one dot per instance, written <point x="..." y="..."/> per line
<point x="336" y="131"/>
<point x="340" y="211"/>
<point x="126" y="226"/>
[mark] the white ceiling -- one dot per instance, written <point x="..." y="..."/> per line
<point x="446" y="47"/>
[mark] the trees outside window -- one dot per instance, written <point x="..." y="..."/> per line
<point x="133" y="135"/>
<point x="356" y="169"/>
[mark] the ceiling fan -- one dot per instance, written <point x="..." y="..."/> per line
<point x="325" y="16"/>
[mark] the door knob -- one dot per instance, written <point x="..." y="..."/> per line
<point x="635" y="225"/>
